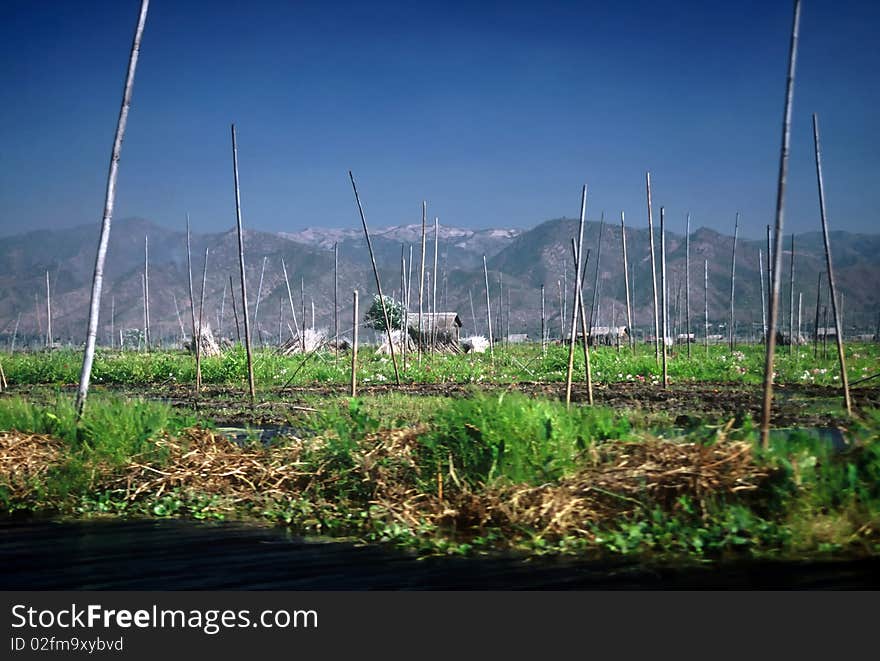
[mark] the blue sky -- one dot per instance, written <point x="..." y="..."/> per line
<point x="496" y="113"/>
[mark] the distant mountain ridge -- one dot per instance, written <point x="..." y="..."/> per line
<point x="519" y="262"/>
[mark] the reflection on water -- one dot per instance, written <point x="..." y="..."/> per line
<point x="176" y="554"/>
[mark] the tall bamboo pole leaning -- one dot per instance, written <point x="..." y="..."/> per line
<point x="665" y="320"/>
<point x="488" y="312"/>
<point x="354" y="343"/>
<point x="244" y="301"/>
<point x="629" y="316"/>
<point x="763" y="301"/>
<point x="422" y="279"/>
<point x="780" y="206"/>
<point x="687" y="283"/>
<point x="376" y="273"/>
<point x="234" y="311"/>
<point x="653" y="270"/>
<point x="149" y="338"/>
<point x="577" y="297"/>
<point x="837" y="325"/>
<point x="706" y="301"/>
<point x="730" y="329"/>
<point x="48" y="313"/>
<point x="791" y="302"/>
<point x="588" y="370"/>
<point x="290" y="299"/>
<point x="198" y="339"/>
<point x="109" y="198"/>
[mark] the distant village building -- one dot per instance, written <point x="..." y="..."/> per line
<point x="442" y="329"/>
<point x="609" y="335"/>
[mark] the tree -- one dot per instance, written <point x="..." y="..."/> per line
<point x="376" y="320"/>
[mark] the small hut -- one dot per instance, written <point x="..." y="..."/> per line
<point x="442" y="329"/>
<point x="609" y="335"/>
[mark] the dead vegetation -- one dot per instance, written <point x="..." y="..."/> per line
<point x="24" y="458"/>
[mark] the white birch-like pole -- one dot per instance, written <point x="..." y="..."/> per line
<point x="192" y="297"/>
<point x="148" y="337"/>
<point x="290" y="299"/>
<point x="378" y="282"/>
<point x="48" y="313"/>
<point x="653" y="270"/>
<point x="780" y="205"/>
<point x="844" y="379"/>
<point x="422" y="277"/>
<point x="434" y="286"/>
<point x="488" y="311"/>
<point x="687" y="283"/>
<point x="730" y="331"/>
<point x="244" y="301"/>
<point x="706" y="301"/>
<point x="577" y="297"/>
<point x="665" y="320"/>
<point x="109" y="199"/>
<point x="629" y="317"/>
<point x="199" y="329"/>
<point x="354" y="343"/>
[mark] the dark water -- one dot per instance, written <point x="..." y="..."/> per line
<point x="187" y="555"/>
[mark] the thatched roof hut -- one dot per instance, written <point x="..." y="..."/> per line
<point x="440" y="328"/>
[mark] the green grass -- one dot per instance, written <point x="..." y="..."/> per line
<point x="510" y="365"/>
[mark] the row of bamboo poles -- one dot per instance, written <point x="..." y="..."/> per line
<point x="579" y="257"/>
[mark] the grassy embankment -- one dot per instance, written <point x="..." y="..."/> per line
<point x="457" y="475"/>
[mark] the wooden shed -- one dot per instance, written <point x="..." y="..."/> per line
<point x="441" y="328"/>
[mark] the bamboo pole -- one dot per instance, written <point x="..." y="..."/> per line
<point x="280" y="321"/>
<point x="543" y="323"/>
<point x="422" y="280"/>
<point x="112" y="321"/>
<point x="434" y="286"/>
<point x="800" y="306"/>
<point x="780" y="205"/>
<point x="179" y="319"/>
<point x="244" y="301"/>
<point x="222" y="311"/>
<point x="109" y="199"/>
<point x="665" y="320"/>
<point x="577" y="296"/>
<point x="148" y="337"/>
<point x="257" y="306"/>
<point x="488" y="312"/>
<point x="841" y="357"/>
<point x="687" y="284"/>
<point x="770" y="249"/>
<point x="588" y="371"/>
<point x="816" y="327"/>
<point x="629" y="317"/>
<point x="192" y="298"/>
<point x="234" y="312"/>
<point x="290" y="299"/>
<point x="199" y="336"/>
<point x="825" y="332"/>
<point x="594" y="304"/>
<point x="15" y="333"/>
<point x="791" y="302"/>
<point x="473" y="313"/>
<point x="48" y="313"/>
<point x="706" y="301"/>
<point x="561" y="316"/>
<point x="653" y="271"/>
<point x="763" y="302"/>
<point x="731" y="338"/>
<point x="378" y="283"/>
<point x="354" y="343"/>
<point x="403" y="330"/>
<point x="336" y="300"/>
<point x="144" y="309"/>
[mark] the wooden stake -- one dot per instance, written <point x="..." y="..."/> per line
<point x="148" y="336"/>
<point x="234" y="311"/>
<point x="488" y="312"/>
<point x="244" y="301"/>
<point x="629" y="316"/>
<point x="687" y="284"/>
<point x="780" y="206"/>
<point x="199" y="329"/>
<point x="15" y="333"/>
<point x="791" y="302"/>
<point x="588" y="371"/>
<point x="179" y="319"/>
<point x="434" y="285"/>
<point x="706" y="301"/>
<point x="378" y="283"/>
<point x="763" y="302"/>
<point x="663" y="292"/>
<point x="844" y="379"/>
<point x="800" y="305"/>
<point x="192" y="298"/>
<point x="292" y="308"/>
<point x="335" y="300"/>
<point x="594" y="305"/>
<point x="816" y="327"/>
<point x="109" y="198"/>
<point x="577" y="297"/>
<point x="257" y="306"/>
<point x="422" y="281"/>
<point x="222" y="311"/>
<point x="543" y="318"/>
<point x="354" y="345"/>
<point x="730" y="330"/>
<point x="48" y="314"/>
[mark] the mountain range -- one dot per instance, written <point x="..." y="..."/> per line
<point x="519" y="263"/>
